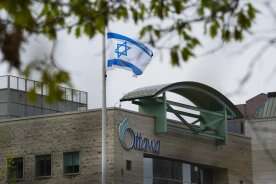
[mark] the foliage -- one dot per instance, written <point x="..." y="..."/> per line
<point x="11" y="170"/>
<point x="7" y="164"/>
<point x="162" y="20"/>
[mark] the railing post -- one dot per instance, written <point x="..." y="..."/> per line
<point x="79" y="92"/>
<point x="26" y="88"/>
<point x="72" y="95"/>
<point x="9" y="82"/>
<point x="17" y="83"/>
<point x="86" y="99"/>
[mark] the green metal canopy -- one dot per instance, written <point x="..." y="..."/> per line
<point x="200" y="94"/>
<point x="213" y="107"/>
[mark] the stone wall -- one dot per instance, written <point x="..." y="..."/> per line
<point x="55" y="134"/>
<point x="263" y="133"/>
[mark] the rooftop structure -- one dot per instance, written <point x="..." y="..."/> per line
<point x="259" y="106"/>
<point x="14" y="102"/>
<point x="211" y="112"/>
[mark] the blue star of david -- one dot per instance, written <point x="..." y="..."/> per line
<point x="122" y="49"/>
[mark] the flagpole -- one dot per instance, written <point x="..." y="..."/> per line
<point x="104" y="112"/>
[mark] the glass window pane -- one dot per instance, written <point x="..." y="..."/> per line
<point x="148" y="180"/>
<point x="43" y="165"/>
<point x="148" y="168"/>
<point x="13" y="82"/>
<point x="45" y="90"/>
<point x="3" y="82"/>
<point x="160" y="181"/>
<point x="38" y="88"/>
<point x="67" y="160"/>
<point x="186" y="170"/>
<point x="30" y="85"/>
<point x="76" y="160"/>
<point x="76" y="96"/>
<point x="207" y="176"/>
<point x="177" y="170"/>
<point x="167" y="171"/>
<point x="21" y="84"/>
<point x="71" y="162"/>
<point x="162" y="168"/>
<point x="68" y="94"/>
<point x="83" y="97"/>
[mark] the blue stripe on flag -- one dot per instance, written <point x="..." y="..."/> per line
<point x="139" y="44"/>
<point x="123" y="63"/>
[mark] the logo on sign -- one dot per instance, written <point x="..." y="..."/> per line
<point x="130" y="139"/>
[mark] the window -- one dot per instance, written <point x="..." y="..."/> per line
<point x="207" y="176"/>
<point x="15" y="168"/>
<point x="148" y="171"/>
<point x="166" y="171"/>
<point x="71" y="162"/>
<point x="43" y="165"/>
<point x="186" y="173"/>
<point x="128" y="165"/>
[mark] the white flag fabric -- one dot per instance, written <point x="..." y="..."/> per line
<point x="126" y="53"/>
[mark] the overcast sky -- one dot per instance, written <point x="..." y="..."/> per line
<point x="222" y="70"/>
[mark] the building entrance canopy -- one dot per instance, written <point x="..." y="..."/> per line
<point x="210" y="111"/>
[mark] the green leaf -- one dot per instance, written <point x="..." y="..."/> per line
<point x="178" y="5"/>
<point x="243" y="21"/>
<point x="200" y="11"/>
<point x="226" y="35"/>
<point x="174" y="57"/>
<point x="214" y="29"/>
<point x="45" y="10"/>
<point x="238" y="34"/>
<point x="122" y="12"/>
<point x="186" y="53"/>
<point x="100" y="24"/>
<point x="145" y="29"/>
<point x="89" y="29"/>
<point x="62" y="77"/>
<point x="157" y="33"/>
<point x="205" y="3"/>
<point x="78" y="32"/>
<point x="251" y="11"/>
<point x="32" y="95"/>
<point x="51" y="32"/>
<point x="135" y="14"/>
<point x="194" y="42"/>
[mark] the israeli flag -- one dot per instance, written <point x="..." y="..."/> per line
<point x="126" y="53"/>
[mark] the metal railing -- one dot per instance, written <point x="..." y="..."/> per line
<point x="22" y="84"/>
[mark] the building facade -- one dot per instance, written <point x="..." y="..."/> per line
<point x="142" y="147"/>
<point x="260" y="118"/>
<point x="179" y="159"/>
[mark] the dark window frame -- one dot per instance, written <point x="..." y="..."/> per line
<point x="43" y="173"/>
<point x="75" y="169"/>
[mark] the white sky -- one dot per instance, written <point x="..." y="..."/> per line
<point x="222" y="70"/>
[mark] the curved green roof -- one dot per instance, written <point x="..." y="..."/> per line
<point x="200" y="94"/>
